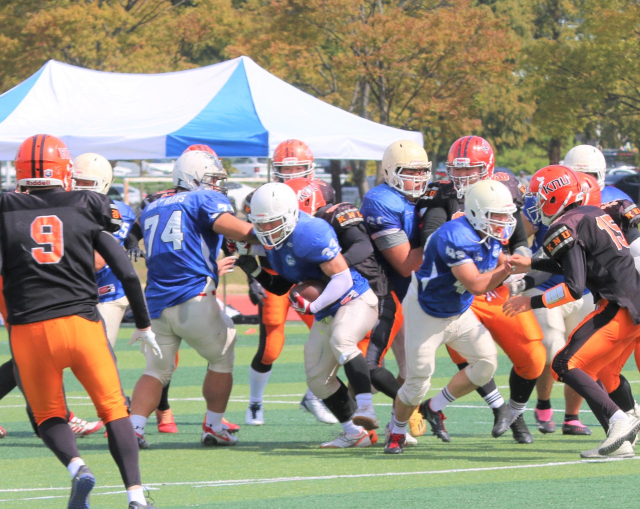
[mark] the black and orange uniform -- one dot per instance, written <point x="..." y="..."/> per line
<point x="519" y="336"/>
<point x="274" y="308"/>
<point x="359" y="253"/>
<point x="589" y="249"/>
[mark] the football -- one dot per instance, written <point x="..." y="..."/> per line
<point x="309" y="289"/>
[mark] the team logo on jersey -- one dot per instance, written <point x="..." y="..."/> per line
<point x="307" y="192"/>
<point x="105" y="290"/>
<point x="554" y="185"/>
<point x="291" y="261"/>
<point x="375" y="220"/>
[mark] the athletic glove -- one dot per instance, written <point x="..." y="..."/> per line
<point x="134" y="253"/>
<point x="299" y="303"/>
<point x="249" y="265"/>
<point x="237" y="246"/>
<point x="147" y="339"/>
<point x="516" y="284"/>
<point x="256" y="292"/>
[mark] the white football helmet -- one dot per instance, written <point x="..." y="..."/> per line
<point x="482" y="201"/>
<point x="406" y="155"/>
<point x="91" y="172"/>
<point x="587" y="159"/>
<point x="198" y="170"/>
<point x="271" y="203"/>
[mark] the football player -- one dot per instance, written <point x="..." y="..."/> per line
<point x="390" y="220"/>
<point x="182" y="234"/>
<point x="48" y="270"/>
<point x="470" y="160"/>
<point x="585" y="245"/>
<point x="358" y="252"/>
<point x="462" y="258"/>
<point x="300" y="247"/>
<point x="292" y="159"/>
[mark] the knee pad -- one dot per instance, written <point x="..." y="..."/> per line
<point x="482" y="370"/>
<point x="323" y="386"/>
<point x="160" y="369"/>
<point x="413" y="390"/>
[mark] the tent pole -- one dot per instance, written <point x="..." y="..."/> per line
<point x="126" y="191"/>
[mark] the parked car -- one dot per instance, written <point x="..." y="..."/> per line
<point x="158" y="167"/>
<point x="116" y="192"/>
<point x="249" y="166"/>
<point x="126" y="169"/>
<point x="626" y="182"/>
<point x="237" y="192"/>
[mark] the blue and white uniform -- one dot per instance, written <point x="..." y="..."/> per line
<point x="181" y="252"/>
<point x="611" y="193"/>
<point x="112" y="302"/>
<point x="338" y="328"/>
<point x="437" y="309"/>
<point x="557" y="323"/>
<point x="390" y="219"/>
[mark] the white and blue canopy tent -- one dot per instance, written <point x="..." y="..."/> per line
<point x="236" y="107"/>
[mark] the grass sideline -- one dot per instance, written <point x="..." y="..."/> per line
<point x="280" y="464"/>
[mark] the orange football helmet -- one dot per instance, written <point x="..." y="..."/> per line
<point x="43" y="160"/>
<point x="292" y="153"/>
<point x="200" y="148"/>
<point x="309" y="194"/>
<point x="590" y="188"/>
<point x="556" y="187"/>
<point x="466" y="153"/>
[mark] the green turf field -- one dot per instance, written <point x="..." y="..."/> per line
<point x="280" y="464"/>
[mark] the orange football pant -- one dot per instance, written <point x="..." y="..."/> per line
<point x="519" y="336"/>
<point x="600" y="345"/>
<point x="42" y="350"/>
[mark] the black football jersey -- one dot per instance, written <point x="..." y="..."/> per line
<point x="603" y="262"/>
<point x="156" y="196"/>
<point x="626" y="214"/>
<point x="343" y="217"/>
<point x="47" y="246"/>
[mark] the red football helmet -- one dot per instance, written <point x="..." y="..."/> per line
<point x="200" y="148"/>
<point x="309" y="194"/>
<point x="555" y="187"/>
<point x="590" y="188"/>
<point x="43" y="160"/>
<point x="468" y="153"/>
<point x="292" y="153"/>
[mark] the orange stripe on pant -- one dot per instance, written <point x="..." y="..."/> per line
<point x="42" y="350"/>
<point x="519" y="336"/>
<point x="598" y="344"/>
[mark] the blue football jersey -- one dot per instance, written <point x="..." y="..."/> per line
<point x="109" y="287"/>
<point x="440" y="294"/>
<point x="181" y="246"/>
<point x="611" y="193"/>
<point x="386" y="210"/>
<point x="312" y="242"/>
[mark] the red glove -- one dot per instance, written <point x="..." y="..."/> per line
<point x="300" y="304"/>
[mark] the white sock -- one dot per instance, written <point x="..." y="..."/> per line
<point x="74" y="466"/>
<point x="441" y="400"/>
<point x="214" y="421"/>
<point x="351" y="429"/>
<point x="619" y="416"/>
<point x="310" y="395"/>
<point x="137" y="495"/>
<point x="494" y="399"/>
<point x="257" y="385"/>
<point x="364" y="399"/>
<point x="139" y="423"/>
<point x="517" y="409"/>
<point x="399" y="428"/>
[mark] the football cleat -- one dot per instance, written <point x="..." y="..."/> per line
<point x="544" y="427"/>
<point x="82" y="428"/>
<point x="417" y="424"/>
<point x="365" y="416"/>
<point x="435" y="420"/>
<point x="229" y="426"/>
<point x="3" y="433"/>
<point x="394" y="443"/>
<point x="142" y="443"/>
<point x="138" y="505"/>
<point x="166" y="422"/>
<point x="620" y="431"/>
<point x="636" y="410"/>
<point x="81" y="486"/>
<point x="520" y="431"/>
<point x="343" y="441"/>
<point x="501" y="420"/>
<point x="625" y="451"/>
<point x="255" y="415"/>
<point x="212" y="438"/>
<point x="408" y="440"/>
<point x="575" y="428"/>
<point x="318" y="409"/>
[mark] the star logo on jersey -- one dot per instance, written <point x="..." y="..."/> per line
<point x="291" y="261"/>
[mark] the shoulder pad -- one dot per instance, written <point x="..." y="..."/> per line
<point x="624" y="213"/>
<point x="558" y="240"/>
<point x="516" y="189"/>
<point x="344" y="215"/>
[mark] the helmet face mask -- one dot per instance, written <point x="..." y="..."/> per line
<point x="274" y="214"/>
<point x="489" y="208"/>
<point x="407" y="168"/>
<point x="285" y="172"/>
